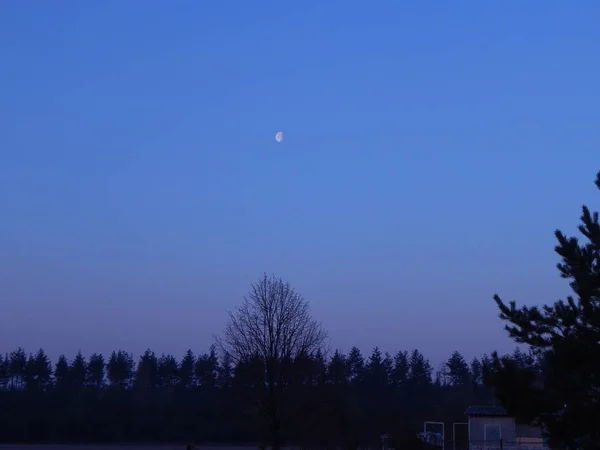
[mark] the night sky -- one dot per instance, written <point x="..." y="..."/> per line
<point x="430" y="151"/>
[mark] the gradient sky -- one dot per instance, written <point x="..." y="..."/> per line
<point x="431" y="149"/>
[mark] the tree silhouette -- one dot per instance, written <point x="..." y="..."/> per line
<point x="566" y="337"/>
<point x="458" y="370"/>
<point x="38" y="370"/>
<point x="146" y="376"/>
<point x="207" y="369"/>
<point x="335" y="401"/>
<point x="476" y="372"/>
<point x="356" y="365"/>
<point x="337" y="370"/>
<point x="272" y="327"/>
<point x="18" y="366"/>
<point x="4" y="371"/>
<point x="119" y="368"/>
<point x="167" y="371"/>
<point x="78" y="371"/>
<point x="95" y="370"/>
<point x="400" y="370"/>
<point x="186" y="370"/>
<point x="377" y="370"/>
<point x="419" y="370"/>
<point x="225" y="372"/>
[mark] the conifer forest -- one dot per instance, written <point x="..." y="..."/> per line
<point x="351" y="398"/>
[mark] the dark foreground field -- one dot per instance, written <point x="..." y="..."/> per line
<point x="118" y="447"/>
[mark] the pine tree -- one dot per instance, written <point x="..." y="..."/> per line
<point x="476" y="372"/>
<point x="39" y="370"/>
<point x="400" y="369"/>
<point x="207" y="368"/>
<point x="4" y="371"/>
<point x="375" y="372"/>
<point x="146" y="376"/>
<point x="167" y="371"/>
<point x="95" y="370"/>
<point x="61" y="372"/>
<point x="356" y="365"/>
<point x="78" y="371"/>
<point x="17" y="367"/>
<point x="186" y="370"/>
<point x="225" y="371"/>
<point x="119" y="368"/>
<point x="337" y="370"/>
<point x="458" y="369"/>
<point x="567" y="399"/>
<point x="420" y="369"/>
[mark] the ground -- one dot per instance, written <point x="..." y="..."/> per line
<point x="117" y="447"/>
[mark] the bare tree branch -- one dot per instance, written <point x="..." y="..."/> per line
<point x="272" y="326"/>
<point x="273" y="322"/>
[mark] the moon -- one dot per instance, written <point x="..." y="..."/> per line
<point x="279" y="136"/>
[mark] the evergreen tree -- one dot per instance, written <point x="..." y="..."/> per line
<point x="486" y="364"/>
<point x="225" y="371"/>
<point x="95" y="370"/>
<point x="61" y="371"/>
<point x="419" y="369"/>
<point x="17" y="367"/>
<point x="388" y="367"/>
<point x="458" y="370"/>
<point x="476" y="372"/>
<point x="376" y="375"/>
<point x="566" y="400"/>
<point x="167" y="371"/>
<point x="401" y="368"/>
<point x="356" y="365"/>
<point x="207" y="369"/>
<point x="38" y="370"/>
<point x="4" y="371"/>
<point x="186" y="369"/>
<point x="319" y="368"/>
<point x="146" y="376"/>
<point x="337" y="369"/>
<point x="78" y="371"/>
<point x="119" y="368"/>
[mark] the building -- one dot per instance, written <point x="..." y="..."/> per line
<point x="491" y="428"/>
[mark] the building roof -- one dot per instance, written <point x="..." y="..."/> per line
<point x="485" y="411"/>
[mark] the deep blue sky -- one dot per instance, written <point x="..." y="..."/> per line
<point x="430" y="151"/>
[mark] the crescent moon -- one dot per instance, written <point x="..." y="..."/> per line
<point x="279" y="136"/>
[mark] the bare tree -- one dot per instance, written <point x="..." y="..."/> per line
<point x="272" y="327"/>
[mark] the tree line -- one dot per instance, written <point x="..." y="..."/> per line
<point x="350" y="398"/>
